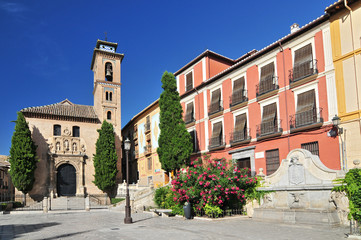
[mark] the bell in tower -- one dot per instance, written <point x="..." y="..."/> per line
<point x="109" y="72"/>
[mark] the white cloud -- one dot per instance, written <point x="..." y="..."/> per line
<point x="13" y="8"/>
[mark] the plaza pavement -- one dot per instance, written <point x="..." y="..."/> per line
<point x="105" y="224"/>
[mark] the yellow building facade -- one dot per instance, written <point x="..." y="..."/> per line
<point x="143" y="132"/>
<point x="345" y="27"/>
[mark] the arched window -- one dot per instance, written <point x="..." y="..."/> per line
<point x="110" y="96"/>
<point x="57" y="130"/>
<point x="109" y="72"/>
<point x="109" y="115"/>
<point x="106" y="96"/>
<point x="76" y="131"/>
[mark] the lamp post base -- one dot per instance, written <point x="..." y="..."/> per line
<point x="128" y="220"/>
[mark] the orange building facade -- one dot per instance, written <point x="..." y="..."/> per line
<point x="259" y="107"/>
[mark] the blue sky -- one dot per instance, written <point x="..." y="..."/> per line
<point x="47" y="46"/>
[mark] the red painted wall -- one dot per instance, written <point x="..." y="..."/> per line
<point x="322" y="96"/>
<point x="181" y="84"/>
<point x="197" y="74"/>
<point x="319" y="51"/>
<point x="226" y="92"/>
<point x="283" y="72"/>
<point x="215" y="66"/>
<point x="252" y="81"/>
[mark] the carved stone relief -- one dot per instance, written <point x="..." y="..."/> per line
<point x="296" y="171"/>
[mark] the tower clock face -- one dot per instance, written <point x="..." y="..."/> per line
<point x="106" y="48"/>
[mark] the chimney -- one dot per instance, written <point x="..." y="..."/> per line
<point x="295" y="27"/>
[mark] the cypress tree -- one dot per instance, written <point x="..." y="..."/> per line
<point x="105" y="159"/>
<point x="175" y="143"/>
<point x="22" y="156"/>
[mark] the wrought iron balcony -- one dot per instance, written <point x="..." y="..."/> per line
<point x="148" y="149"/>
<point x="269" y="128"/>
<point x="148" y="137"/>
<point x="306" y="118"/>
<point x="215" y="142"/>
<point x="215" y="107"/>
<point x="238" y="136"/>
<point x="189" y="87"/>
<point x="136" y="153"/>
<point x="147" y="127"/>
<point x="238" y="97"/>
<point x="188" y="118"/>
<point x="303" y="70"/>
<point x="267" y="85"/>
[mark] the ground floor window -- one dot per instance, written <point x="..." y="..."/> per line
<point x="272" y="161"/>
<point x="312" y="147"/>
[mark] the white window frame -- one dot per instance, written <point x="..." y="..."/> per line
<point x="301" y="45"/>
<point x="243" y="74"/>
<point x="239" y="112"/>
<point x="193" y="128"/>
<point x="217" y="120"/>
<point x="304" y="88"/>
<point x="272" y="59"/>
<point x="274" y="99"/>
<point x="194" y="107"/>
<point x="211" y="90"/>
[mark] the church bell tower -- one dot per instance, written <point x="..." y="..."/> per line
<point x="106" y="65"/>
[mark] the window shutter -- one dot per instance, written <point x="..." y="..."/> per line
<point x="189" y="81"/>
<point x="217" y="130"/>
<point x="189" y="112"/>
<point x="240" y="122"/>
<point x="267" y="71"/>
<point x="238" y="85"/>
<point x="269" y="112"/>
<point x="306" y="101"/>
<point x="216" y="96"/>
<point x="303" y="54"/>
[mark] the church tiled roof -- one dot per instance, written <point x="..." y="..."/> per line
<point x="65" y="109"/>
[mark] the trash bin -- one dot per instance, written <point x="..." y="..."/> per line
<point x="187" y="208"/>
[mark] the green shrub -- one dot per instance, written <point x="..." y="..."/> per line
<point x="212" y="211"/>
<point x="351" y="184"/>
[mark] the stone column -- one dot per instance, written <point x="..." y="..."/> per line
<point x="45" y="205"/>
<point x="87" y="203"/>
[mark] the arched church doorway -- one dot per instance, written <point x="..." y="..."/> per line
<point x="66" y="180"/>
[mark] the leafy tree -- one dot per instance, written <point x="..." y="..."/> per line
<point x="175" y="144"/>
<point x="105" y="159"/>
<point x="22" y="156"/>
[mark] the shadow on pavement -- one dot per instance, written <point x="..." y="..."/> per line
<point x="17" y="230"/>
<point x="141" y="220"/>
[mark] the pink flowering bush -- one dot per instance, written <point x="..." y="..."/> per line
<point x="215" y="183"/>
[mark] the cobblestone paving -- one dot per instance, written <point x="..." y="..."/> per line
<point x="104" y="224"/>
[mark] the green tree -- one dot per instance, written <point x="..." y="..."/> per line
<point x="175" y="143"/>
<point x="22" y="156"/>
<point x="105" y="159"/>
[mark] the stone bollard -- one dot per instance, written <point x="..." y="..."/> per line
<point x="45" y="205"/>
<point x="87" y="203"/>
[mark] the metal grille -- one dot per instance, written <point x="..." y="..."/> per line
<point x="272" y="161"/>
<point x="312" y="147"/>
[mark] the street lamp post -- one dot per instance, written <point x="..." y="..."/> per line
<point x="128" y="217"/>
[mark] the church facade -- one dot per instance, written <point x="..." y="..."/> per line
<point x="66" y="133"/>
